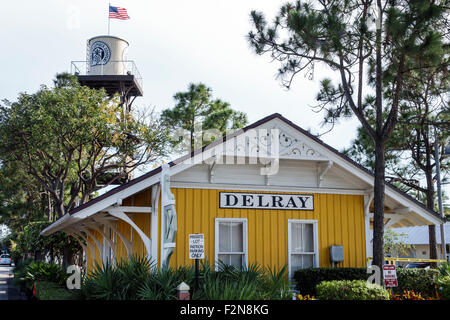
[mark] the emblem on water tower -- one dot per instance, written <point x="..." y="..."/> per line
<point x="100" y="53"/>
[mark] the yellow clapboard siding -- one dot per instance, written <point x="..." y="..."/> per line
<point x="340" y="222"/>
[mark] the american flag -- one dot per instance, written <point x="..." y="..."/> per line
<point x="118" y="13"/>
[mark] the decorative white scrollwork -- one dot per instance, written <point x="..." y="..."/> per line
<point x="292" y="147"/>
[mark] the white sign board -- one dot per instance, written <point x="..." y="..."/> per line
<point x="277" y="201"/>
<point x="197" y="246"/>
<point x="390" y="275"/>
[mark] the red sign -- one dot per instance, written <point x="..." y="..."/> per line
<point x="390" y="275"/>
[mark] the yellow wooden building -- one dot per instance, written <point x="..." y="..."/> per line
<point x="270" y="193"/>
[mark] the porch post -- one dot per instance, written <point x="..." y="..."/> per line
<point x="154" y="222"/>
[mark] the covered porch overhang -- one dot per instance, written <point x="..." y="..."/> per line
<point x="85" y="226"/>
<point x="398" y="212"/>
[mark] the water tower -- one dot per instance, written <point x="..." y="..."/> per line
<point x="107" y="66"/>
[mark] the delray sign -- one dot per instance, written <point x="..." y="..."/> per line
<point x="277" y="201"/>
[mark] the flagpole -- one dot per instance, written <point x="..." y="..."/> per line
<point x="109" y="19"/>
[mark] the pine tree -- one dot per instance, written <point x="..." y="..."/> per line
<point x="372" y="46"/>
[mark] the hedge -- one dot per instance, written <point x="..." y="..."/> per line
<point x="308" y="279"/>
<point x="444" y="287"/>
<point x="419" y="280"/>
<point x="350" y="290"/>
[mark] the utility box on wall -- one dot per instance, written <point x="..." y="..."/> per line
<point x="336" y="254"/>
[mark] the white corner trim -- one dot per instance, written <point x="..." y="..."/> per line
<point x="156" y="190"/>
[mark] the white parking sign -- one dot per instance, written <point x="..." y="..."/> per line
<point x="197" y="246"/>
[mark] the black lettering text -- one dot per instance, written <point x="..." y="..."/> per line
<point x="246" y="200"/>
<point x="303" y="200"/>
<point x="228" y="197"/>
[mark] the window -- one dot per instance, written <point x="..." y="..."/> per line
<point x="231" y="241"/>
<point x="302" y="245"/>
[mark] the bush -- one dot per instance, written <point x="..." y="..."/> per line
<point x="444" y="287"/>
<point x="423" y="281"/>
<point x="42" y="271"/>
<point x="350" y="290"/>
<point x="27" y="272"/>
<point x="308" y="279"/>
<point x="252" y="283"/>
<point x="444" y="269"/>
<point x="162" y="284"/>
<point x="52" y="291"/>
<point x="20" y="280"/>
<point x="137" y="278"/>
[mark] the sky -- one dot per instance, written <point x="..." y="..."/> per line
<point x="173" y="43"/>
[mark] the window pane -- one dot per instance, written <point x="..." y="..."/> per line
<point x="231" y="237"/>
<point x="302" y="239"/>
<point x="296" y="236"/>
<point x="225" y="258"/>
<point x="236" y="237"/>
<point x="308" y="238"/>
<point x="232" y="259"/>
<point x="236" y="260"/>
<point x="301" y="261"/>
<point x="224" y="238"/>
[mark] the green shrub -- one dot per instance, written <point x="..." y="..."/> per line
<point x="104" y="283"/>
<point x="443" y="284"/>
<point x="444" y="269"/>
<point x="136" y="278"/>
<point x="423" y="281"/>
<point x="52" y="291"/>
<point x="20" y="281"/>
<point x="350" y="290"/>
<point x="420" y="280"/>
<point x="121" y="282"/>
<point x="42" y="271"/>
<point x="27" y="272"/>
<point x="252" y="283"/>
<point x="161" y="284"/>
<point x="308" y="279"/>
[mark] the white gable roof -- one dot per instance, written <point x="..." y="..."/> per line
<point x="296" y="146"/>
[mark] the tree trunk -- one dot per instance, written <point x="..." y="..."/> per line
<point x="378" y="202"/>
<point x="430" y="205"/>
<point x="192" y="142"/>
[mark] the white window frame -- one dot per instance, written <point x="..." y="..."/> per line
<point x="315" y="239"/>
<point x="244" y="237"/>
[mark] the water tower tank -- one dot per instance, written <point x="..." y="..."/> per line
<point x="107" y="55"/>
